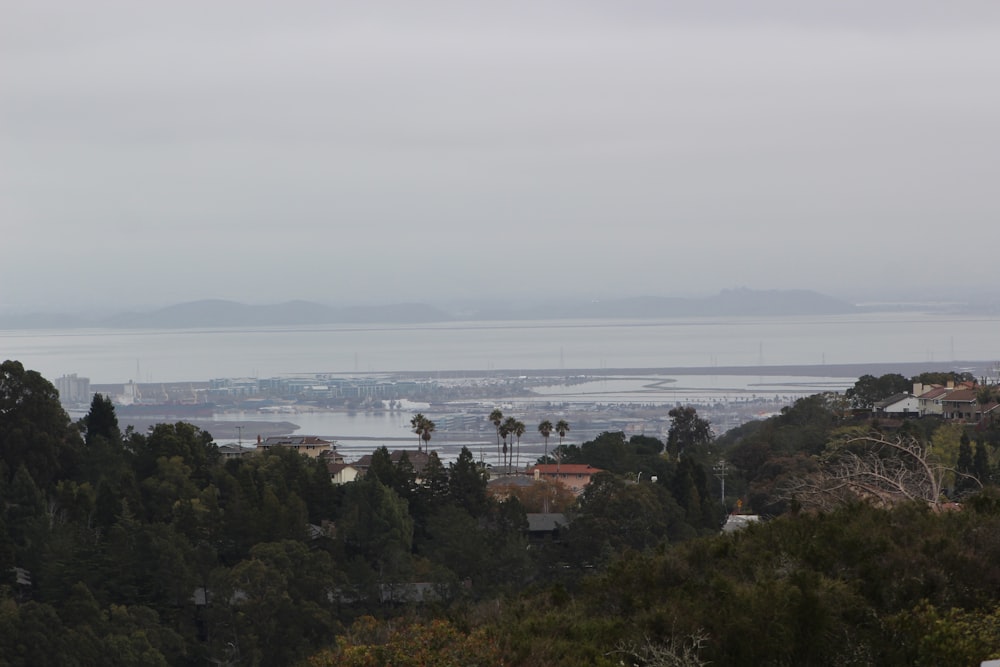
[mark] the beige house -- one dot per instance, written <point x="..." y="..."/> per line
<point x="342" y="473"/>
<point x="574" y="476"/>
<point x="929" y="399"/>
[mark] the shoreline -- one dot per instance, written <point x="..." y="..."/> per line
<point x="855" y="370"/>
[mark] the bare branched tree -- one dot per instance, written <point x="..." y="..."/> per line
<point x="674" y="653"/>
<point x="882" y="470"/>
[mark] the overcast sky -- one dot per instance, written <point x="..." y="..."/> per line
<point x="156" y="152"/>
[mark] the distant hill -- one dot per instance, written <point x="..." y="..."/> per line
<point x="220" y="313"/>
<point x="733" y="302"/>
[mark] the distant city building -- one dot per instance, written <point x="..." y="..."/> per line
<point x="73" y="390"/>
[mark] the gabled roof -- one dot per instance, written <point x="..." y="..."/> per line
<point x="545" y="522"/>
<point x="961" y="396"/>
<point x="565" y="469"/>
<point x="295" y="441"/>
<point x="892" y="400"/>
<point x="934" y="393"/>
<point x="511" y="481"/>
<point x="234" y="450"/>
<point x="417" y="459"/>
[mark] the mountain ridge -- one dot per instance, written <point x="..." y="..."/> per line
<point x="206" y="313"/>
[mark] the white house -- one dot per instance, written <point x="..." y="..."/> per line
<point x="900" y="405"/>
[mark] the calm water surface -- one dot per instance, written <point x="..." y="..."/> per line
<point x="111" y="356"/>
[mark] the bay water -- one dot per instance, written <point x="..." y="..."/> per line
<point x="169" y="355"/>
<point x="610" y="347"/>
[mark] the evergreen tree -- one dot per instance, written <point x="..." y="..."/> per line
<point x="35" y="431"/>
<point x="965" y="467"/>
<point x="467" y="484"/>
<point x="981" y="463"/>
<point x="688" y="432"/>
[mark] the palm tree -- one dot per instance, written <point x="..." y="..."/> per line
<point x="497" y="418"/>
<point x="426" y="434"/>
<point x="418" y="423"/>
<point x="562" y="428"/>
<point x="545" y="428"/>
<point x="518" y="432"/>
<point x="508" y="428"/>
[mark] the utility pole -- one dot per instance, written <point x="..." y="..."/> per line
<point x="720" y="472"/>
<point x="239" y="430"/>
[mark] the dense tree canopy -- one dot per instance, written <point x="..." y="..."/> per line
<point x="150" y="549"/>
<point x="34" y="429"/>
<point x="869" y="390"/>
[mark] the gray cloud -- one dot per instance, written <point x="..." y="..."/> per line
<point x="159" y="152"/>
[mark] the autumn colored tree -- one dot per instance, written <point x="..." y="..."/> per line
<point x="438" y="643"/>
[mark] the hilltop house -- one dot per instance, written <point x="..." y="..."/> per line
<point x="546" y="526"/>
<point x="574" y="476"/>
<point x="953" y="402"/>
<point x="901" y="405"/>
<point x="418" y="460"/>
<point x="960" y="404"/>
<point x="929" y="399"/>
<point x="235" y="451"/>
<point x="307" y="445"/>
<point x="342" y="473"/>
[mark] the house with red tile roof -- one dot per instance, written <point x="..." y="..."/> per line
<point x="960" y="405"/>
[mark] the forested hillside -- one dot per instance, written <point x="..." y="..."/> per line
<point x="150" y="548"/>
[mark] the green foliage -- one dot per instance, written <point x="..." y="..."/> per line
<point x="928" y="636"/>
<point x="376" y="526"/>
<point x="35" y="431"/>
<point x="438" y="643"/>
<point x="150" y="550"/>
<point x="945" y="446"/>
<point x="467" y="484"/>
<point x="780" y="448"/>
<point x="688" y="432"/>
<point x="101" y="421"/>
<point x="869" y="390"/>
<point x="615" y="515"/>
<point x="943" y="378"/>
<point x="836" y="588"/>
<point x="193" y="446"/>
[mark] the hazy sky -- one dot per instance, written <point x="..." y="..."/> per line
<point x="154" y="152"/>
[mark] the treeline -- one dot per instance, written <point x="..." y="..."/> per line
<point x="770" y="458"/>
<point x="855" y="586"/>
<point x="149" y="548"/>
